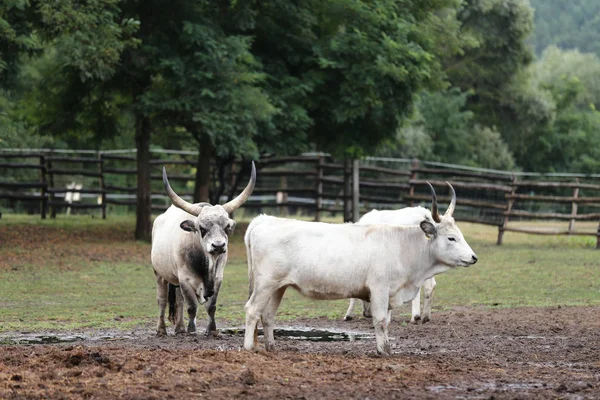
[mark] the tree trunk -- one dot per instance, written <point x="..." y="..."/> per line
<point x="143" y="226"/>
<point x="202" y="181"/>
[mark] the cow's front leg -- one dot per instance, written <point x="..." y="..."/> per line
<point x="161" y="299"/>
<point x="211" y="308"/>
<point x="428" y="289"/>
<point x="191" y="300"/>
<point x="381" y="318"/>
<point x="416" y="308"/>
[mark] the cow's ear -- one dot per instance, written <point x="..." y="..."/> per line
<point x="428" y="228"/>
<point x="188" y="226"/>
<point x="230" y="227"/>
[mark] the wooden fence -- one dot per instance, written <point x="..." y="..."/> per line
<point x="315" y="185"/>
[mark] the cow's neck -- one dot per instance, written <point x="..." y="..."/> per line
<point x="418" y="257"/>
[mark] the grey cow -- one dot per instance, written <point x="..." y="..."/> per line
<point x="189" y="253"/>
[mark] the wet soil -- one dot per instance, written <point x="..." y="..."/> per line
<point x="526" y="353"/>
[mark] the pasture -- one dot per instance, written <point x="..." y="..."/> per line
<point x="523" y="322"/>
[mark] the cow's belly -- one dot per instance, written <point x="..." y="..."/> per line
<point x="166" y="268"/>
<point x="332" y="292"/>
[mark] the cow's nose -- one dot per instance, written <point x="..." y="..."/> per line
<point x="218" y="247"/>
<point x="474" y="257"/>
<point x="208" y="294"/>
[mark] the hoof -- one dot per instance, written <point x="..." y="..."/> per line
<point x="425" y="319"/>
<point x="161" y="334"/>
<point x="211" y="333"/>
<point x="384" y="354"/>
<point x="269" y="348"/>
<point x="348" y="318"/>
<point x="415" y="319"/>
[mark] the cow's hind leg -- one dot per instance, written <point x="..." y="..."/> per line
<point x="261" y="295"/>
<point x="161" y="299"/>
<point x="268" y="318"/>
<point x="350" y="310"/>
<point x="191" y="300"/>
<point x="211" y="308"/>
<point x="381" y="318"/>
<point x="429" y="288"/>
<point x="178" y="320"/>
<point x="366" y="309"/>
<point x="416" y="308"/>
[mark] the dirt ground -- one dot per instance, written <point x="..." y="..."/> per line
<point x="532" y="353"/>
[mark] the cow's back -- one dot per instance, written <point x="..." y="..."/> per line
<point x="403" y="216"/>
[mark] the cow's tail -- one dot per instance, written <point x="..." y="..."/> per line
<point x="249" y="255"/>
<point x="172" y="298"/>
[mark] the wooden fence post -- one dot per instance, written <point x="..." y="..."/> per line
<point x="355" y="191"/>
<point x="44" y="189"/>
<point x="574" y="207"/>
<point x="51" y="197"/>
<point x="102" y="183"/>
<point x="509" y="206"/>
<point x="319" y="189"/>
<point x="413" y="175"/>
<point x="347" y="190"/>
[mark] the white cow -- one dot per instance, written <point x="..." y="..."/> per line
<point x="189" y="253"/>
<point x="381" y="263"/>
<point x="404" y="216"/>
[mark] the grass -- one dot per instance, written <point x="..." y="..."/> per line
<point x="78" y="273"/>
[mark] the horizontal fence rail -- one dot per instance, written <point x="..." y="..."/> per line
<point x="51" y="181"/>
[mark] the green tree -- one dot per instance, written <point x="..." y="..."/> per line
<point x="351" y="68"/>
<point x="211" y="88"/>
<point x="495" y="52"/>
<point x="569" y="83"/>
<point x="571" y="24"/>
<point x="443" y="129"/>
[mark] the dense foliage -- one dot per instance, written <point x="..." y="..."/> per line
<point x="573" y="24"/>
<point x="447" y="80"/>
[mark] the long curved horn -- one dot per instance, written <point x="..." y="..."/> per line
<point x="234" y="204"/>
<point x="450" y="209"/>
<point x="193" y="209"/>
<point x="434" y="208"/>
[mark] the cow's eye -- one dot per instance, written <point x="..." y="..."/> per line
<point x="452" y="239"/>
<point x="202" y="231"/>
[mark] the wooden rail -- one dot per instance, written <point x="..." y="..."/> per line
<point x="316" y="185"/>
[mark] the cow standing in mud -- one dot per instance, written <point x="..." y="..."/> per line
<point x="189" y="253"/>
<point x="383" y="264"/>
<point x="403" y="216"/>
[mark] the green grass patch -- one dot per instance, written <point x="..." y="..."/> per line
<point x="105" y="290"/>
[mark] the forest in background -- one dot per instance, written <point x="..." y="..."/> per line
<point x="504" y="84"/>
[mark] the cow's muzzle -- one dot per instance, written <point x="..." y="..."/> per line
<point x="470" y="262"/>
<point x="218" y="248"/>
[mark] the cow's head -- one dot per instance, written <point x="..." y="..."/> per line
<point x="211" y="225"/>
<point x="448" y="243"/>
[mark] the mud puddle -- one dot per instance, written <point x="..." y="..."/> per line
<point x="293" y="333"/>
<point x="310" y="334"/>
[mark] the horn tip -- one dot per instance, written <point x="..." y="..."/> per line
<point x="165" y="180"/>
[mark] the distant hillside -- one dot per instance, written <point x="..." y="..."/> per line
<point x="568" y="24"/>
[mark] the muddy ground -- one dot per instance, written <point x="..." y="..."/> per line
<point x="532" y="353"/>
